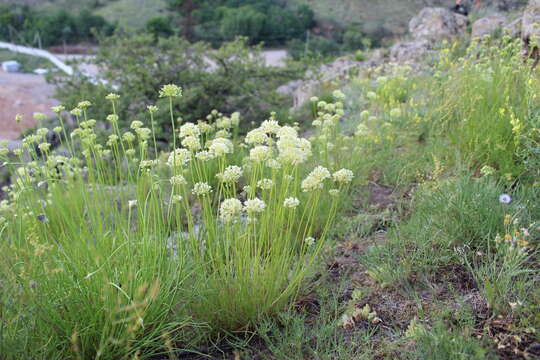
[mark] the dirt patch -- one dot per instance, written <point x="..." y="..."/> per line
<point x="22" y="94"/>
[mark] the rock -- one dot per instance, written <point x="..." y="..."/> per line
<point x="11" y="66"/>
<point x="513" y="28"/>
<point x="488" y="25"/>
<point x="408" y="51"/>
<point x="376" y="57"/>
<point x="530" y="29"/>
<point x="289" y="88"/>
<point x="530" y="25"/>
<point x="435" y="24"/>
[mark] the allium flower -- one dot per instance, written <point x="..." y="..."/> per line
<point x="112" y="96"/>
<point x="230" y="210"/>
<point x="309" y="241"/>
<point x="333" y="192"/>
<point x="487" y="170"/>
<point x="58" y="109"/>
<point x="177" y="198"/>
<point x="287" y="131"/>
<point x="152" y="108"/>
<point x="42" y="132"/>
<point x="371" y="95"/>
<point x="254" y="205"/>
<point x="260" y="153"/>
<point x="136" y="124"/>
<point x="315" y="179"/>
<point x="179" y="158"/>
<point x="143" y="133"/>
<point x="256" y="137"/>
<point x="170" y="91"/>
<point x="132" y="204"/>
<point x="128" y="137"/>
<point x="130" y="152"/>
<point x="270" y="126"/>
<point x="338" y="95"/>
<point x="204" y="155"/>
<point x="265" y="184"/>
<point x="113" y="139"/>
<point x="189" y="129"/>
<point x="178" y="180"/>
<point x="505" y="199"/>
<point x="364" y="115"/>
<point x="343" y="176"/>
<point x="204" y="127"/>
<point x="112" y="118"/>
<point x="201" y="189"/>
<point x="273" y="164"/>
<point x="57" y="129"/>
<point x="231" y="174"/>
<point x="76" y="112"/>
<point x="291" y="202"/>
<point x="192" y="143"/>
<point x="18" y="118"/>
<point x="84" y="104"/>
<point x="235" y="118"/>
<point x="44" y="147"/>
<point x="221" y="146"/>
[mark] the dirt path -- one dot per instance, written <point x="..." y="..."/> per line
<point x="22" y="94"/>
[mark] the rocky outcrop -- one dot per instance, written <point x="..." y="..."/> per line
<point x="435" y="24"/>
<point x="409" y="51"/>
<point x="302" y="90"/>
<point x="513" y="28"/>
<point x="488" y="25"/>
<point x="530" y="29"/>
<point x="530" y="25"/>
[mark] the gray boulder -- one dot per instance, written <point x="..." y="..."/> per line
<point x="513" y="28"/>
<point x="530" y="25"/>
<point x="488" y="25"/>
<point x="409" y="51"/>
<point x="530" y="30"/>
<point x="434" y="24"/>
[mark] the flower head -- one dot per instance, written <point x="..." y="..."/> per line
<point x="189" y="129"/>
<point x="254" y="205"/>
<point x="291" y="202"/>
<point x="505" y="199"/>
<point x="230" y="210"/>
<point x="179" y="158"/>
<point x="343" y="176"/>
<point x="170" y="91"/>
<point x="231" y="174"/>
<point x="315" y="179"/>
<point x="201" y="189"/>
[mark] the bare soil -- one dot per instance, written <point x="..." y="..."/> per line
<point x="22" y="94"/>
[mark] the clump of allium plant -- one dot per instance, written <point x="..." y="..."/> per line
<point x="119" y="250"/>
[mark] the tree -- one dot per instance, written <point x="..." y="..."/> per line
<point x="186" y="9"/>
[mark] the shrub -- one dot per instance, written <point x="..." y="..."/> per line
<point x="160" y="27"/>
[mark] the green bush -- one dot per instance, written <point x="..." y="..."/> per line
<point x="231" y="78"/>
<point x="160" y="27"/>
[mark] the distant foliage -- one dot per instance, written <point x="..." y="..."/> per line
<point x="262" y="21"/>
<point x="231" y="78"/>
<point x="22" y="24"/>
